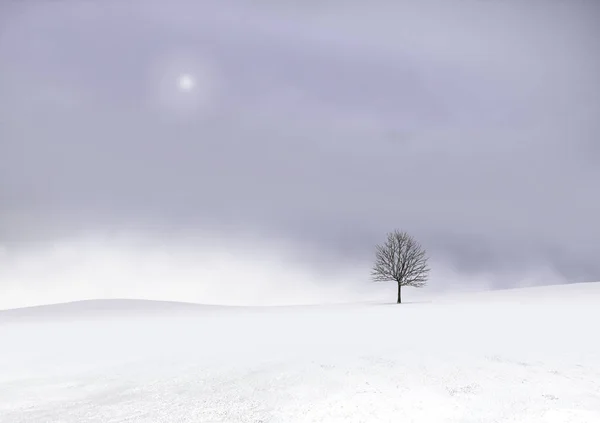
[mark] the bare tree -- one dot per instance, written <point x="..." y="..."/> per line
<point x="400" y="259"/>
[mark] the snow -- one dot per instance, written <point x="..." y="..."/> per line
<point x="527" y="355"/>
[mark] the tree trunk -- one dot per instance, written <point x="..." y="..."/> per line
<point x="399" y="293"/>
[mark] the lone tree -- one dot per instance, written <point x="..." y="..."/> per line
<point x="400" y="259"/>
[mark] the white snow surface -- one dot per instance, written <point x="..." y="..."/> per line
<point x="527" y="355"/>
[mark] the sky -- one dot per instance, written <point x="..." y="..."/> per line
<point x="306" y="127"/>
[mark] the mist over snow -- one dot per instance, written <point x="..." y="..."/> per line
<point x="210" y="268"/>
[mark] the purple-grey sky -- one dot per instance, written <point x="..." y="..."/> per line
<point x="473" y="124"/>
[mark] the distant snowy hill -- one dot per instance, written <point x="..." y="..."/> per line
<point x="102" y="308"/>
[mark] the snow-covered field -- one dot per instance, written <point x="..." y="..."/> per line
<point x="530" y="355"/>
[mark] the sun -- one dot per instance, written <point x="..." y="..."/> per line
<point x="186" y="82"/>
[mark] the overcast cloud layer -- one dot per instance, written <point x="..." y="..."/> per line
<point x="472" y="124"/>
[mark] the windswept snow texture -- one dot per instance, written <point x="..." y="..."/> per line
<point x="530" y="356"/>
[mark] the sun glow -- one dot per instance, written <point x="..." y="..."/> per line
<point x="186" y="82"/>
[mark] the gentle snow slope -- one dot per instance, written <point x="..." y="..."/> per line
<point x="529" y="356"/>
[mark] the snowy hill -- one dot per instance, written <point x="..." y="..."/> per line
<point x="101" y="309"/>
<point x="526" y="355"/>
